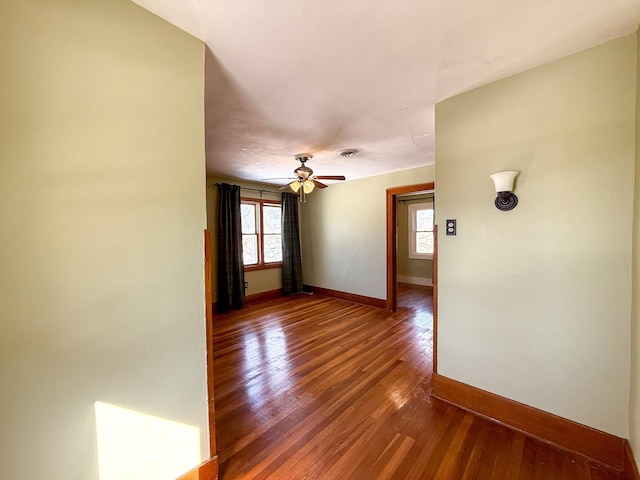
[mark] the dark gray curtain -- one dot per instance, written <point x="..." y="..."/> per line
<point x="291" y="261"/>
<point x="230" y="264"/>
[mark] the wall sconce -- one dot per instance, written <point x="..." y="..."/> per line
<point x="506" y="199"/>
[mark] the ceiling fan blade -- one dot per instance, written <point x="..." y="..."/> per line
<point x="277" y="178"/>
<point x="331" y="177"/>
<point x="319" y="184"/>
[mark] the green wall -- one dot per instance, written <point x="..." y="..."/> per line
<point x="535" y="303"/>
<point x="343" y="233"/>
<point x="102" y="207"/>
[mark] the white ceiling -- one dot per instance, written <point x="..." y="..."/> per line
<point x="289" y="76"/>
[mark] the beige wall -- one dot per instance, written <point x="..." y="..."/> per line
<point x="344" y="233"/>
<point x="410" y="270"/>
<point x="634" y="412"/>
<point x="102" y="207"/>
<point x="534" y="304"/>
<point x="259" y="280"/>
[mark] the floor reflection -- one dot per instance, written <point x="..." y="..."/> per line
<point x="419" y="300"/>
<point x="319" y="379"/>
<point x="267" y="370"/>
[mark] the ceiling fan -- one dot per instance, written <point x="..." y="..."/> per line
<point x="304" y="181"/>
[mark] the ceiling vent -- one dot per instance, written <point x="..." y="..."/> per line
<point x="348" y="152"/>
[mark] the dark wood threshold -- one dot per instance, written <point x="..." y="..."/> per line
<point x="603" y="447"/>
<point x="351" y="297"/>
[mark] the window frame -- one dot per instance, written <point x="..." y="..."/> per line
<point x="260" y="204"/>
<point x="411" y="210"/>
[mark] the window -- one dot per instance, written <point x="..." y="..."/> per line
<point x="421" y="230"/>
<point x="261" y="239"/>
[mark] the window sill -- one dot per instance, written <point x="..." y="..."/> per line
<point x="265" y="266"/>
<point x="428" y="256"/>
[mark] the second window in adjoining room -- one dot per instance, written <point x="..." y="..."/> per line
<point x="261" y="233"/>
<point x="421" y="230"/>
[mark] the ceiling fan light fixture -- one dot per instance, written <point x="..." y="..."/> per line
<point x="308" y="186"/>
<point x="303" y="172"/>
<point x="305" y="181"/>
<point x="295" y="186"/>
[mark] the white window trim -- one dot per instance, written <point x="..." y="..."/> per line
<point x="413" y="207"/>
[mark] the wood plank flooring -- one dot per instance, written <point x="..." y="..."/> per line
<point x="313" y="387"/>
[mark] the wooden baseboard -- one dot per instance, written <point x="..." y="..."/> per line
<point x="630" y="467"/>
<point x="600" y="446"/>
<point x="257" y="297"/>
<point x="262" y="296"/>
<point x="351" y="297"/>
<point x="205" y="471"/>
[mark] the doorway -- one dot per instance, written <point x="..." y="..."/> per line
<point x="414" y="247"/>
<point x="392" y="256"/>
<point x="392" y="236"/>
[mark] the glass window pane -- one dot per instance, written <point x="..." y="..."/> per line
<point x="424" y="220"/>
<point x="424" y="242"/>
<point x="250" y="249"/>
<point x="248" y="217"/>
<point x="272" y="248"/>
<point x="271" y="219"/>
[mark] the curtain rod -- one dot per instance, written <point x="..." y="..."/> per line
<point x="427" y="197"/>
<point x="261" y="191"/>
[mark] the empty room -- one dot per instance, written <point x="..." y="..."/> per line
<point x="319" y="240"/>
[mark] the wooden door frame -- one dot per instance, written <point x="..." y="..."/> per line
<point x="211" y="465"/>
<point x="392" y="235"/>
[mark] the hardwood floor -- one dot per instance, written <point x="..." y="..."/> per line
<point x="313" y="387"/>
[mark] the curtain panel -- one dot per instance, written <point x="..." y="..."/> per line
<point x="230" y="264"/>
<point x="291" y="260"/>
